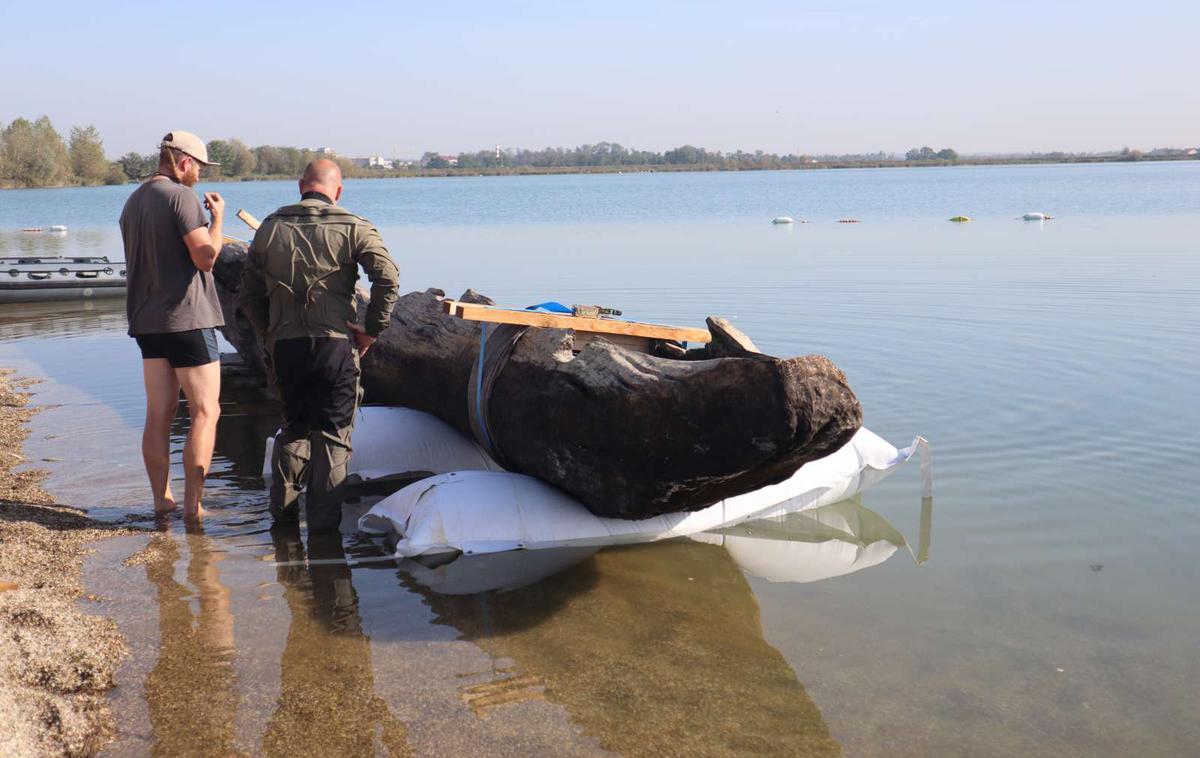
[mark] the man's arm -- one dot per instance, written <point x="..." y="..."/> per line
<point x="204" y="243"/>
<point x="385" y="286"/>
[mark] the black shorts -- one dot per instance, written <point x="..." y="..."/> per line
<point x="197" y="347"/>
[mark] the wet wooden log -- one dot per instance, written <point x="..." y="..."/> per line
<point x="227" y="274"/>
<point x="630" y="435"/>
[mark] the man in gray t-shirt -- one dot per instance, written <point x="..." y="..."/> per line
<point x="167" y="291"/>
<point x="173" y="313"/>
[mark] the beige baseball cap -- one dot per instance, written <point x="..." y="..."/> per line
<point x="188" y="143"/>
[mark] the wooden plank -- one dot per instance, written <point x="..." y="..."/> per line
<point x="248" y="220"/>
<point x="501" y="685"/>
<point x="491" y="314"/>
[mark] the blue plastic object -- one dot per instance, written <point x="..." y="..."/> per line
<point x="551" y="307"/>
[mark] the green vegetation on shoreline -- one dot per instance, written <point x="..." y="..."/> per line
<point x="416" y="173"/>
<point x="659" y="168"/>
<point x="33" y="154"/>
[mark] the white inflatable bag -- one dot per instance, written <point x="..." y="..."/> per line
<point x="394" y="442"/>
<point x="490" y="511"/>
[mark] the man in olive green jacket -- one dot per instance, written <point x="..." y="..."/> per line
<point x="298" y="291"/>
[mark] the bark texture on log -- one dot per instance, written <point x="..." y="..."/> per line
<point x="227" y="273"/>
<point x="628" y="434"/>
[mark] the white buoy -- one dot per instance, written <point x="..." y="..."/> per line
<point x="783" y="220"/>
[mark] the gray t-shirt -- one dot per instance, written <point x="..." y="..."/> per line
<point x="166" y="292"/>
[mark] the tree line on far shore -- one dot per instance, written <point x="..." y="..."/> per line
<point x="34" y="154"/>
<point x="611" y="154"/>
<point x="240" y="161"/>
<point x="929" y="154"/>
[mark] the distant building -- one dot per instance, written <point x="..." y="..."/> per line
<point x="372" y="161"/>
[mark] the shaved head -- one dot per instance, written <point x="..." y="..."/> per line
<point x="324" y="176"/>
<point x="322" y="171"/>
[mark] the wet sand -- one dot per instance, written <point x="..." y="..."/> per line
<point x="56" y="662"/>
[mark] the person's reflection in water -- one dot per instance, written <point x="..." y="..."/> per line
<point x="327" y="704"/>
<point x="191" y="691"/>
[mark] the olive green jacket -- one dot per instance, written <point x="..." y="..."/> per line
<point x="301" y="272"/>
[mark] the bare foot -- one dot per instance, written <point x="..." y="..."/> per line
<point x="194" y="514"/>
<point x="162" y="521"/>
<point x="165" y="505"/>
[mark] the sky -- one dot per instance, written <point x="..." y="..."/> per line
<point x="398" y="79"/>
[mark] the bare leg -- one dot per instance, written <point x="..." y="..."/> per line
<point x="202" y="388"/>
<point x="162" y="400"/>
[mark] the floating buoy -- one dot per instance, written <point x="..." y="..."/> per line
<point x="783" y="220"/>
<point x="960" y="219"/>
<point x="1036" y="217"/>
<point x="847" y="221"/>
<point x="58" y="228"/>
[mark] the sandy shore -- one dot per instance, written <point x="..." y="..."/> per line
<point x="56" y="662"/>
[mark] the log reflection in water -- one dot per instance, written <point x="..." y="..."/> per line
<point x="653" y="649"/>
<point x="247" y="420"/>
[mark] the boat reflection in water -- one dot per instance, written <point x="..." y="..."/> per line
<point x="64" y="319"/>
<point x="658" y="649"/>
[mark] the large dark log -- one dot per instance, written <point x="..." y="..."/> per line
<point x="227" y="273"/>
<point x="630" y="435"/>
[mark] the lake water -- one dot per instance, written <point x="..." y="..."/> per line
<point x="1053" y="366"/>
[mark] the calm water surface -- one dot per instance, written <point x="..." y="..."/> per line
<point x="1052" y="365"/>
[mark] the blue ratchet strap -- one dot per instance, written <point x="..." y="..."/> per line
<point x="479" y="363"/>
<point x="488" y="365"/>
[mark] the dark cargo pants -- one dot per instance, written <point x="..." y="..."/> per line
<point x="317" y="379"/>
